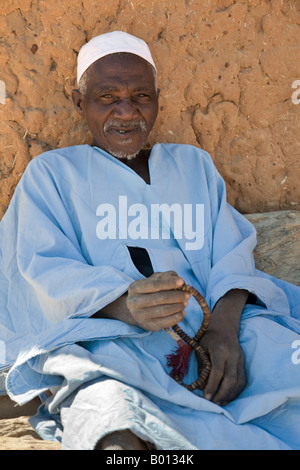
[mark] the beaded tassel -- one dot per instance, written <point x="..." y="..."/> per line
<point x="179" y="359"/>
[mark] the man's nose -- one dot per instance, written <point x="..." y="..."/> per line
<point x="126" y="109"/>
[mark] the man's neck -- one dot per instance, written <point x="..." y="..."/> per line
<point x="139" y="164"/>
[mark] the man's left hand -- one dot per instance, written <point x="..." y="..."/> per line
<point x="227" y="378"/>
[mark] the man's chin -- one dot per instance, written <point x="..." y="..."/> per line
<point x="125" y="153"/>
<point x="124" y="156"/>
<point x="121" y="152"/>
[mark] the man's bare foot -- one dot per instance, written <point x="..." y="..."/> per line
<point x="9" y="409"/>
<point x="121" y="440"/>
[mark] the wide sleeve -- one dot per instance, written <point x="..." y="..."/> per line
<point x="233" y="239"/>
<point x="43" y="259"/>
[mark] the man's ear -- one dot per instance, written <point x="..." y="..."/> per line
<point x="78" y="98"/>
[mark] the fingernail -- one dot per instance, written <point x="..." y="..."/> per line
<point x="208" y="396"/>
<point x="179" y="282"/>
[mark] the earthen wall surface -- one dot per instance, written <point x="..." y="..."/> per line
<point x="226" y="73"/>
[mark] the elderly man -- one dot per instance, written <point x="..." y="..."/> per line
<point x="95" y="248"/>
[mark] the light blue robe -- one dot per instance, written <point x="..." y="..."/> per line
<point x="56" y="271"/>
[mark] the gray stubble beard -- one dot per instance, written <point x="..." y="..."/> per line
<point x="139" y="123"/>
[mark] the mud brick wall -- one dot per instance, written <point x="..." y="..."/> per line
<point x="227" y="69"/>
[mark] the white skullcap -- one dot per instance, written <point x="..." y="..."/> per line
<point x="111" y="43"/>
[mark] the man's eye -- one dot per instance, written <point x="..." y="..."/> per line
<point x="107" y="98"/>
<point x="143" y="97"/>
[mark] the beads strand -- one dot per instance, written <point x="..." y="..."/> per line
<point x="178" y="334"/>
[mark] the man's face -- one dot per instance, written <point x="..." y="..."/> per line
<point x="120" y="104"/>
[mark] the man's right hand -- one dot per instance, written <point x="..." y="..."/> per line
<point x="154" y="303"/>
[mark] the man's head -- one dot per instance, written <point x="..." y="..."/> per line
<point x="117" y="92"/>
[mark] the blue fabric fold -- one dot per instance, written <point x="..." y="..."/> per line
<point x="57" y="270"/>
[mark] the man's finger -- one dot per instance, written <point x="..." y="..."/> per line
<point x="156" y="299"/>
<point x="231" y="384"/>
<point x="237" y="388"/>
<point x="225" y="390"/>
<point x="162" y="311"/>
<point x="157" y="282"/>
<point x="165" y="322"/>
<point x="214" y="381"/>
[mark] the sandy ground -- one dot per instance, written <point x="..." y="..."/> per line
<point x="15" y="431"/>
<point x="17" y="434"/>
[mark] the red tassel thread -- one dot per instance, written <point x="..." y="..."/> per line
<point x="179" y="360"/>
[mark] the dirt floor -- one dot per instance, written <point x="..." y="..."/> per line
<point x="16" y="432"/>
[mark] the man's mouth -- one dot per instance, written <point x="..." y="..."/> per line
<point x="124" y="132"/>
<point x="125" y="129"/>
